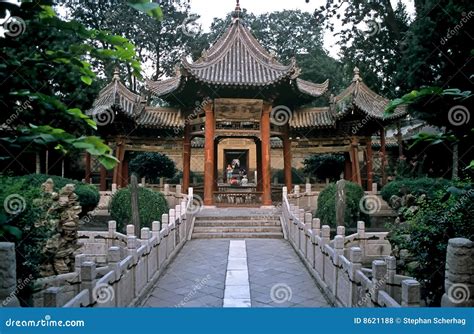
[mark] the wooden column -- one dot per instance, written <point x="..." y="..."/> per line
<point x="216" y="169"/>
<point x="186" y="158"/>
<point x="383" y="156"/>
<point x="370" y="169"/>
<point x="258" y="146"/>
<point x="287" y="159"/>
<point x="355" y="161"/>
<point x="103" y="178"/>
<point x="209" y="155"/>
<point x="266" y="174"/>
<point x="120" y="154"/>
<point x="87" y="177"/>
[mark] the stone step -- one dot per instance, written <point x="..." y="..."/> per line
<point x="239" y="218"/>
<point x="238" y="229"/>
<point x="232" y="235"/>
<point x="210" y="223"/>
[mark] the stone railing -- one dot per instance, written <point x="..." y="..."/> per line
<point x="307" y="199"/>
<point x="338" y="264"/>
<point x="117" y="270"/>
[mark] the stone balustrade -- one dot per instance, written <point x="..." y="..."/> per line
<point x="338" y="264"/>
<point x="115" y="269"/>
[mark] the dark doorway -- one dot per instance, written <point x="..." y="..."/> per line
<point x="238" y="158"/>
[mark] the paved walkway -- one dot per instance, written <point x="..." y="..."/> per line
<point x="197" y="277"/>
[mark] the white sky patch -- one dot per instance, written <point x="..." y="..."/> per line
<point x="209" y="9"/>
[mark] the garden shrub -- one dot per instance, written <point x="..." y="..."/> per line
<point x="32" y="238"/>
<point x="297" y="176"/>
<point x="327" y="205"/>
<point x="151" y="206"/>
<point x="425" y="236"/>
<point x="152" y="166"/>
<point x="418" y="186"/>
<point x="88" y="194"/>
<point x="324" y="166"/>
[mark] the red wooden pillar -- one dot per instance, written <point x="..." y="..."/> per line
<point x="103" y="178"/>
<point x="383" y="156"/>
<point x="209" y="155"/>
<point x="370" y="170"/>
<point x="87" y="177"/>
<point x="186" y="158"/>
<point x="258" y="146"/>
<point x="266" y="173"/>
<point x="120" y="154"/>
<point x="287" y="159"/>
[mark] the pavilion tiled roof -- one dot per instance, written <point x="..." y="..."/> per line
<point x="359" y="95"/>
<point x="115" y="94"/>
<point x="313" y="118"/>
<point x="237" y="60"/>
<point x="153" y="117"/>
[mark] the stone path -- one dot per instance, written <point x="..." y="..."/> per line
<point x="199" y="276"/>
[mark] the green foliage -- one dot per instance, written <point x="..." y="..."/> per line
<point x="417" y="186"/>
<point x="152" y="166"/>
<point x="40" y="115"/>
<point x="88" y="195"/>
<point x="179" y="175"/>
<point x="21" y="227"/>
<point x="426" y="233"/>
<point x="151" y="206"/>
<point x="297" y="176"/>
<point x="327" y="205"/>
<point x="324" y="166"/>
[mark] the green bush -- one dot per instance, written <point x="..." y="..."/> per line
<point x="152" y="166"/>
<point x="327" y="205"/>
<point x="324" y="166"/>
<point x="418" y="186"/>
<point x="151" y="206"/>
<point x="32" y="238"/>
<point x="426" y="233"/>
<point x="88" y="195"/>
<point x="297" y="176"/>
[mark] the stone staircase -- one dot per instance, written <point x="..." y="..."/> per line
<point x="238" y="223"/>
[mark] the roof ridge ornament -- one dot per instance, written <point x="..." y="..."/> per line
<point x="237" y="13"/>
<point x="357" y="77"/>
<point x="116" y="74"/>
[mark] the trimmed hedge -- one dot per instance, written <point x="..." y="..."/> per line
<point x="327" y="205"/>
<point x="418" y="186"/>
<point x="151" y="206"/>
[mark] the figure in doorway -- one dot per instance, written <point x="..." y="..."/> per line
<point x="230" y="171"/>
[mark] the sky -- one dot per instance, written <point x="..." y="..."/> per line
<point x="209" y="9"/>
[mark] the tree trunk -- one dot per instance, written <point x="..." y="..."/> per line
<point x="38" y="163"/>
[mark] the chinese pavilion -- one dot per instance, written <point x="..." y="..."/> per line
<point x="239" y="101"/>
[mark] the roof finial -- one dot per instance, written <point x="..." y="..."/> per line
<point x="237" y="10"/>
<point x="357" y="76"/>
<point x="116" y="73"/>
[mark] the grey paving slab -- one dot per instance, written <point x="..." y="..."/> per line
<point x="278" y="278"/>
<point x="195" y="278"/>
